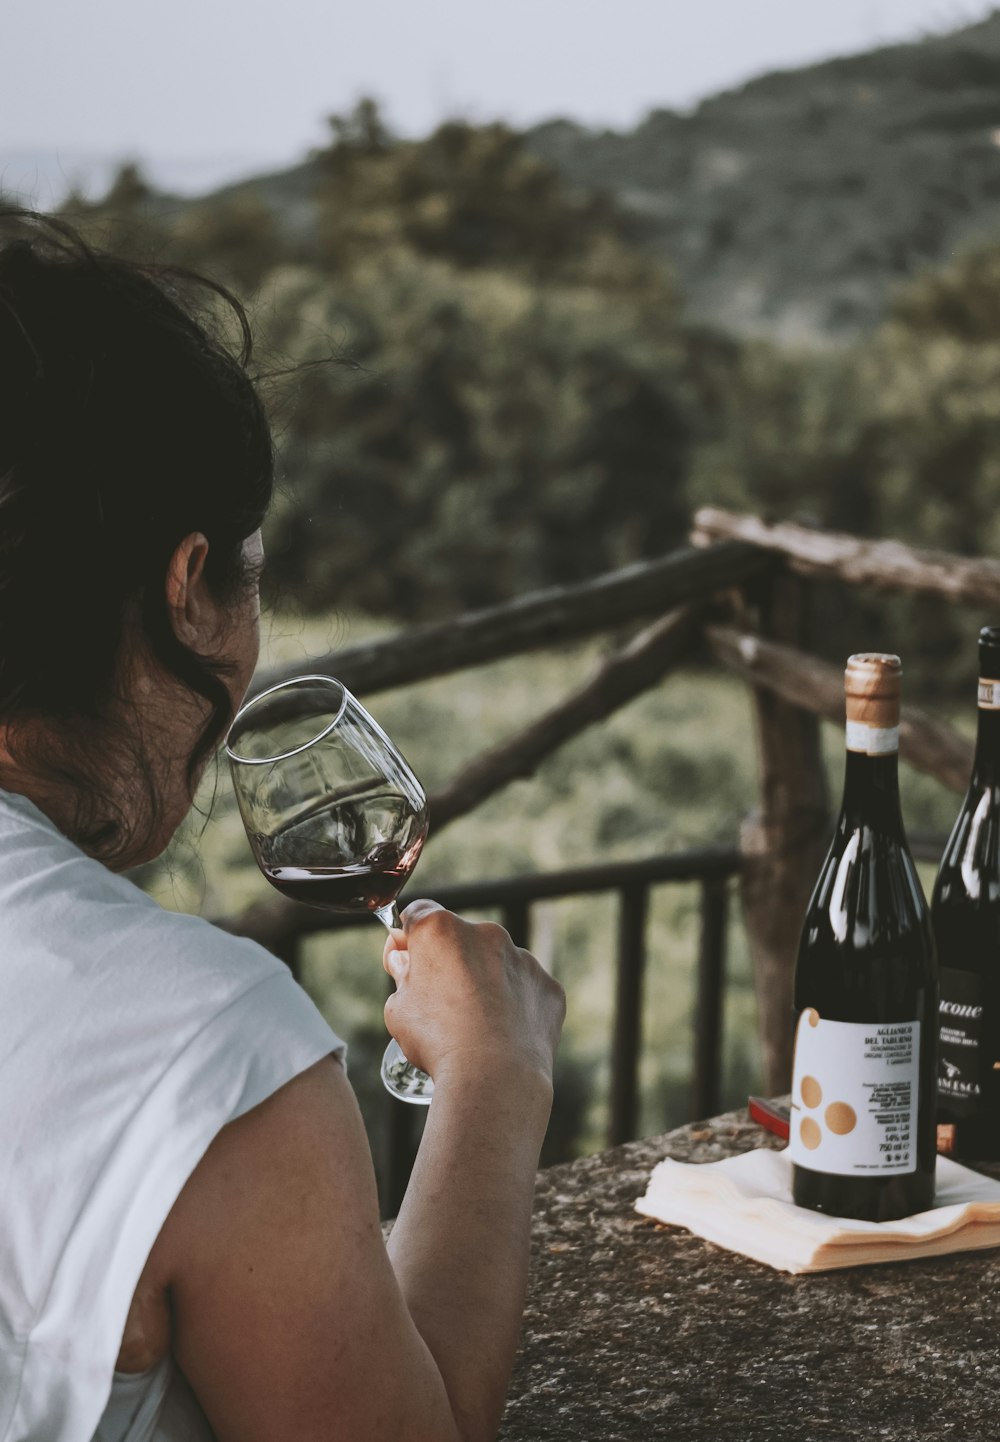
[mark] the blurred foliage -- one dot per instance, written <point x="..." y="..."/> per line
<point x="495" y="439"/>
<point x="897" y="436"/>
<point x="468" y="194"/>
<point x="483" y="385"/>
<point x="509" y="407"/>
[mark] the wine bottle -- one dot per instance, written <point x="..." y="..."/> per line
<point x="862" y="1139"/>
<point x="966" y="915"/>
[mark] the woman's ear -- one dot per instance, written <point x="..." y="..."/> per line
<point x="193" y="612"/>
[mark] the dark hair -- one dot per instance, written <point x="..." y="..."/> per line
<point x="126" y="423"/>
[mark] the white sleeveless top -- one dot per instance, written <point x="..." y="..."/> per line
<point x="129" y="1036"/>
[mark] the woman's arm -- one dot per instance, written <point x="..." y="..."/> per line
<point x="460" y="1244"/>
<point x="290" y="1319"/>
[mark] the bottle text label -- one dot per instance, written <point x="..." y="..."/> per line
<point x="854" y="1097"/>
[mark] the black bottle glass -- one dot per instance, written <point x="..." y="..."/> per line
<point x="966" y="912"/>
<point x="862" y="1137"/>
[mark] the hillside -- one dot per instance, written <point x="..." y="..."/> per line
<point x="788" y="208"/>
<point x="792" y="205"/>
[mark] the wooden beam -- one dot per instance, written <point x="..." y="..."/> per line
<point x="619" y="679"/>
<point x="883" y="565"/>
<point x="532" y="622"/>
<point x="926" y="744"/>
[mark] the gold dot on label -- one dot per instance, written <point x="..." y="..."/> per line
<point x="810" y="1134"/>
<point x="812" y="1016"/>
<point x="841" y="1118"/>
<point x="812" y="1092"/>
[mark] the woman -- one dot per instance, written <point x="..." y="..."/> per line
<point x="189" y="1239"/>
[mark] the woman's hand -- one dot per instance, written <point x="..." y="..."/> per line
<point x="467" y="999"/>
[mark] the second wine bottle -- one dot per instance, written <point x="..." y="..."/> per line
<point x="862" y="1138"/>
<point x="966" y="912"/>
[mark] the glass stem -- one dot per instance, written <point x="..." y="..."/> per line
<point x="389" y="916"/>
<point x="406" y="1082"/>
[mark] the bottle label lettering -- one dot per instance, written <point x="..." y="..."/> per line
<point x="854" y="1097"/>
<point x="872" y="740"/>
<point x="960" y="1035"/>
<point x="989" y="694"/>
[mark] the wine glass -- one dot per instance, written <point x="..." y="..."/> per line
<point x="334" y="815"/>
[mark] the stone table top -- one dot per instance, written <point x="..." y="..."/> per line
<point x="638" y="1331"/>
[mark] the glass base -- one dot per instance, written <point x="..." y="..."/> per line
<point x="406" y="1082"/>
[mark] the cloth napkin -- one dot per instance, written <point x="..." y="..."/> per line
<point x="745" y="1205"/>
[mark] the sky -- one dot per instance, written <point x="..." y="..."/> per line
<point x="202" y="90"/>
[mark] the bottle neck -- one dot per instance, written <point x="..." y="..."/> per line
<point x="986" y="767"/>
<point x="871" y="793"/>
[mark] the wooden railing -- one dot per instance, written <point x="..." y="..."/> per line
<point x="737" y="593"/>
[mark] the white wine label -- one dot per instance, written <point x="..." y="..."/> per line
<point x="854" y="1097"/>
<point x="872" y="740"/>
<point x="989" y="695"/>
<point x="960" y="1011"/>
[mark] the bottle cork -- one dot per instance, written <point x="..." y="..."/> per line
<point x="873" y="685"/>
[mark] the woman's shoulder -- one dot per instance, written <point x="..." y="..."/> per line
<point x="102" y="987"/>
<point x="67" y="917"/>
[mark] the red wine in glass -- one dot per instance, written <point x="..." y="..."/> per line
<point x="347" y="852"/>
<point x="334" y="815"/>
<point x="368" y="886"/>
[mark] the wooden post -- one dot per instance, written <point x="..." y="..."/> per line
<point x="784" y="841"/>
